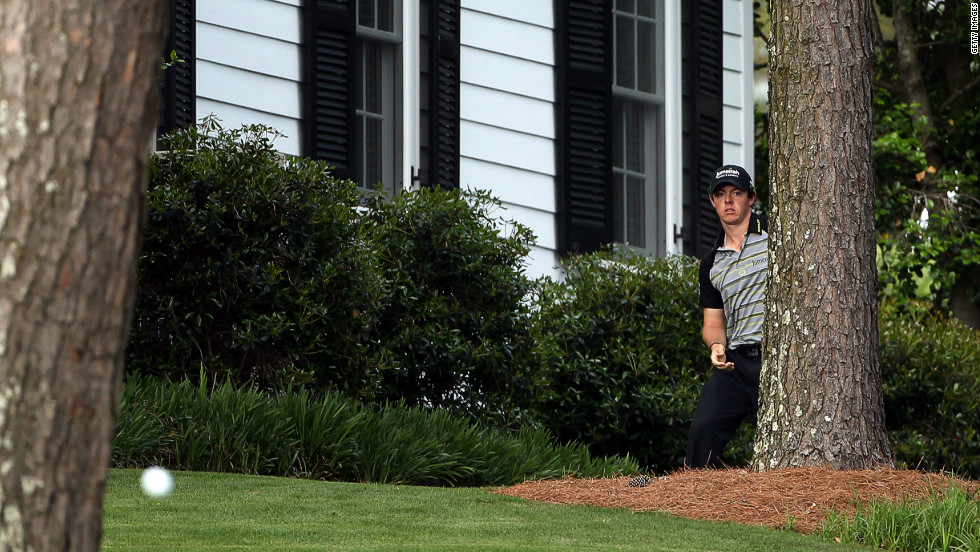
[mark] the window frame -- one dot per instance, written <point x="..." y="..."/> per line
<point x="391" y="45"/>
<point x="654" y="240"/>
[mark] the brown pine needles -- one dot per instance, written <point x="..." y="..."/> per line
<point x="797" y="498"/>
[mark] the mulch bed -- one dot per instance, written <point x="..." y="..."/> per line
<point x="769" y="499"/>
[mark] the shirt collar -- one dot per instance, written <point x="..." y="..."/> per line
<point x="755" y="227"/>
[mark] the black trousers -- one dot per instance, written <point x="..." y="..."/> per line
<point x="726" y="399"/>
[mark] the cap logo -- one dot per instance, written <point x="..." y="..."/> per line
<point x="726" y="173"/>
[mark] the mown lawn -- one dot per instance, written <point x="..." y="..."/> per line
<point x="210" y="512"/>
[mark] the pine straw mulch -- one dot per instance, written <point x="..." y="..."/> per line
<point x="800" y="495"/>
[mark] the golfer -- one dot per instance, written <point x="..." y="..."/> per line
<point x="732" y="286"/>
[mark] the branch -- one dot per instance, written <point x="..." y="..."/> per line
<point x="757" y="31"/>
<point x="893" y="88"/>
<point x="956" y="94"/>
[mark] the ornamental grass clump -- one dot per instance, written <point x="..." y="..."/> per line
<point x="947" y="521"/>
<point x="224" y="428"/>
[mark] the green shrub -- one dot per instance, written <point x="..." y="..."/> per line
<point x="931" y="383"/>
<point x="267" y="271"/>
<point x="619" y="355"/>
<point x="451" y="327"/>
<point x="254" y="267"/>
<point x="189" y="426"/>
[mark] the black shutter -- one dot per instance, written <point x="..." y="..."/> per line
<point x="328" y="76"/>
<point x="584" y="124"/>
<point x="179" y="92"/>
<point x="443" y="92"/>
<point x="702" y="99"/>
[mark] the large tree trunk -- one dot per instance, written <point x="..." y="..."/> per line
<point x="77" y="108"/>
<point x="820" y="397"/>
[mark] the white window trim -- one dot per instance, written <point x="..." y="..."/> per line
<point x="409" y="152"/>
<point x="673" y="126"/>
<point x="407" y="68"/>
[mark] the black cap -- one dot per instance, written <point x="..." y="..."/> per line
<point x="734" y="175"/>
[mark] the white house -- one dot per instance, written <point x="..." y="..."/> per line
<point x="593" y="121"/>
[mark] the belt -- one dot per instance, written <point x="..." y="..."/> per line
<point x="750" y="350"/>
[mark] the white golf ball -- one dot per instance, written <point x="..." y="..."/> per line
<point x="156" y="482"/>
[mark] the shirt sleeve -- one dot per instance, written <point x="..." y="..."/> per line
<point x="710" y="297"/>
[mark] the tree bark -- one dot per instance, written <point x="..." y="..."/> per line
<point x="820" y="398"/>
<point x="77" y="109"/>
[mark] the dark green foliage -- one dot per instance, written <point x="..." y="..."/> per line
<point x="931" y="381"/>
<point x="451" y="327"/>
<point x="253" y="267"/>
<point x="188" y="426"/>
<point x="267" y="271"/>
<point x="928" y="262"/>
<point x="917" y="260"/>
<point x="619" y="355"/>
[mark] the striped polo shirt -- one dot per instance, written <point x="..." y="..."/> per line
<point x="736" y="281"/>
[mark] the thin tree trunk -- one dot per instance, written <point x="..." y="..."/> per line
<point x="77" y="109"/>
<point x="820" y="397"/>
<point x="956" y="68"/>
<point x="913" y="84"/>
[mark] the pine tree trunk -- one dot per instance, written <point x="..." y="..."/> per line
<point x="77" y="107"/>
<point x="820" y="397"/>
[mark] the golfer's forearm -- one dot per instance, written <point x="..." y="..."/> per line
<point x="715" y="336"/>
<point x="713" y="327"/>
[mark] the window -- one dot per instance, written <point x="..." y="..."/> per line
<point x="611" y="91"/>
<point x="638" y="188"/>
<point x="365" y="87"/>
<point x="377" y="79"/>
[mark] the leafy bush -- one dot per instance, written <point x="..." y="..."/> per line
<point x="253" y="267"/>
<point x="619" y="355"/>
<point x="189" y="426"/>
<point x="931" y="385"/>
<point x="266" y="270"/>
<point x="927" y="218"/>
<point x="451" y="326"/>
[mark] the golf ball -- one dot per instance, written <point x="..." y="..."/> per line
<point x="156" y="482"/>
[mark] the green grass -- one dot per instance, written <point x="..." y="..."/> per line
<point x="209" y="512"/>
<point x="949" y="521"/>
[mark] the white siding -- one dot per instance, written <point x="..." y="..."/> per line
<point x="507" y="127"/>
<point x="511" y="111"/>
<point x="248" y="65"/>
<point x="484" y="68"/>
<point x="248" y="71"/>
<point x="251" y="90"/>
<point x="737" y="82"/>
<point x="521" y="187"/>
<point x="535" y="12"/>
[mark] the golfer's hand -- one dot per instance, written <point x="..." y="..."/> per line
<point x="719" y="359"/>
